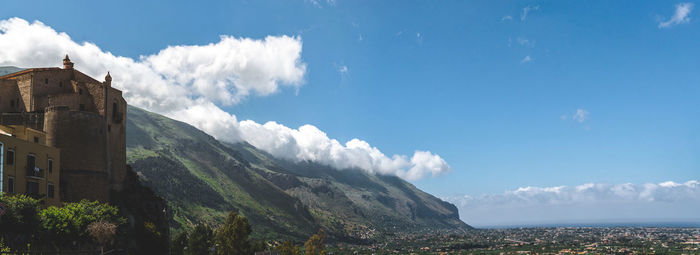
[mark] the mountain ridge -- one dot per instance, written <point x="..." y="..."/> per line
<point x="202" y="178"/>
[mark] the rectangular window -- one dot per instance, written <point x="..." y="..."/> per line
<point x="50" y="166"/>
<point x="36" y="139"/>
<point x="10" y="158"/>
<point x="49" y="190"/>
<point x="10" y="184"/>
<point x="46" y="81"/>
<point x="32" y="188"/>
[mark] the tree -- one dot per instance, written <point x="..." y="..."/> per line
<point x="67" y="225"/>
<point x="103" y="232"/>
<point x="288" y="248"/>
<point x="316" y="245"/>
<point x="200" y="240"/>
<point x="179" y="244"/>
<point x="258" y="245"/>
<point x="21" y="221"/>
<point x="232" y="237"/>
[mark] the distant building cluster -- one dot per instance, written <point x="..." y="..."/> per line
<point x="62" y="135"/>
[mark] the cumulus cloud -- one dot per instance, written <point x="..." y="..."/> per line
<point x="589" y="202"/>
<point x="309" y="143"/>
<point x="231" y="69"/>
<point x="190" y="82"/>
<point x="680" y="16"/>
<point x="527" y="10"/>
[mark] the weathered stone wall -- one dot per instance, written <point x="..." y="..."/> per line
<point x="81" y="138"/>
<point x="9" y="96"/>
<point x="78" y="184"/>
<point x="24" y="84"/>
<point x="81" y="77"/>
<point x="97" y="94"/>
<point x="72" y="100"/>
<point x="116" y="121"/>
<point x="52" y="81"/>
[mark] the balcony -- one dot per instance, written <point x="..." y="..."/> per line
<point x="35" y="172"/>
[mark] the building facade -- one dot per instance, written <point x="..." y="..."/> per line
<point x="28" y="165"/>
<point x="82" y="117"/>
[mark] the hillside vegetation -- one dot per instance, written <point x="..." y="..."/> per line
<point x="202" y="179"/>
<point x="4" y="70"/>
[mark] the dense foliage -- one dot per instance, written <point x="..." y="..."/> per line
<point x="179" y="243"/>
<point x="232" y="237"/>
<point x="200" y="240"/>
<point x="316" y="245"/>
<point x="20" y="224"/>
<point x="288" y="248"/>
<point x="66" y="225"/>
<point x="26" y="226"/>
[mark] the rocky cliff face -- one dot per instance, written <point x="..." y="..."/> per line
<point x="202" y="178"/>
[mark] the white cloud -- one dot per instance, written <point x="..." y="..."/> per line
<point x="343" y="70"/>
<point x="527" y="10"/>
<point x="189" y="82"/>
<point x="580" y="115"/>
<point x="680" y="16"/>
<point x="228" y="71"/>
<point x="507" y="17"/>
<point x="588" y="202"/>
<point x="319" y="3"/>
<point x="526" y="59"/>
<point x="525" y="42"/>
<point x="309" y="143"/>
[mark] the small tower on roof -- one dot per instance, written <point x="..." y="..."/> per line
<point x="66" y="63"/>
<point x="108" y="80"/>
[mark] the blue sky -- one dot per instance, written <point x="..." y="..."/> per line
<point x="510" y="94"/>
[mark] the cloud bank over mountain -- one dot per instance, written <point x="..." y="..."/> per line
<point x="190" y="82"/>
<point x="591" y="202"/>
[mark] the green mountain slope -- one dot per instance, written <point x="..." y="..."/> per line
<point x="9" y="69"/>
<point x="202" y="179"/>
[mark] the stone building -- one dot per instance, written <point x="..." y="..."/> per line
<point x="82" y="117"/>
